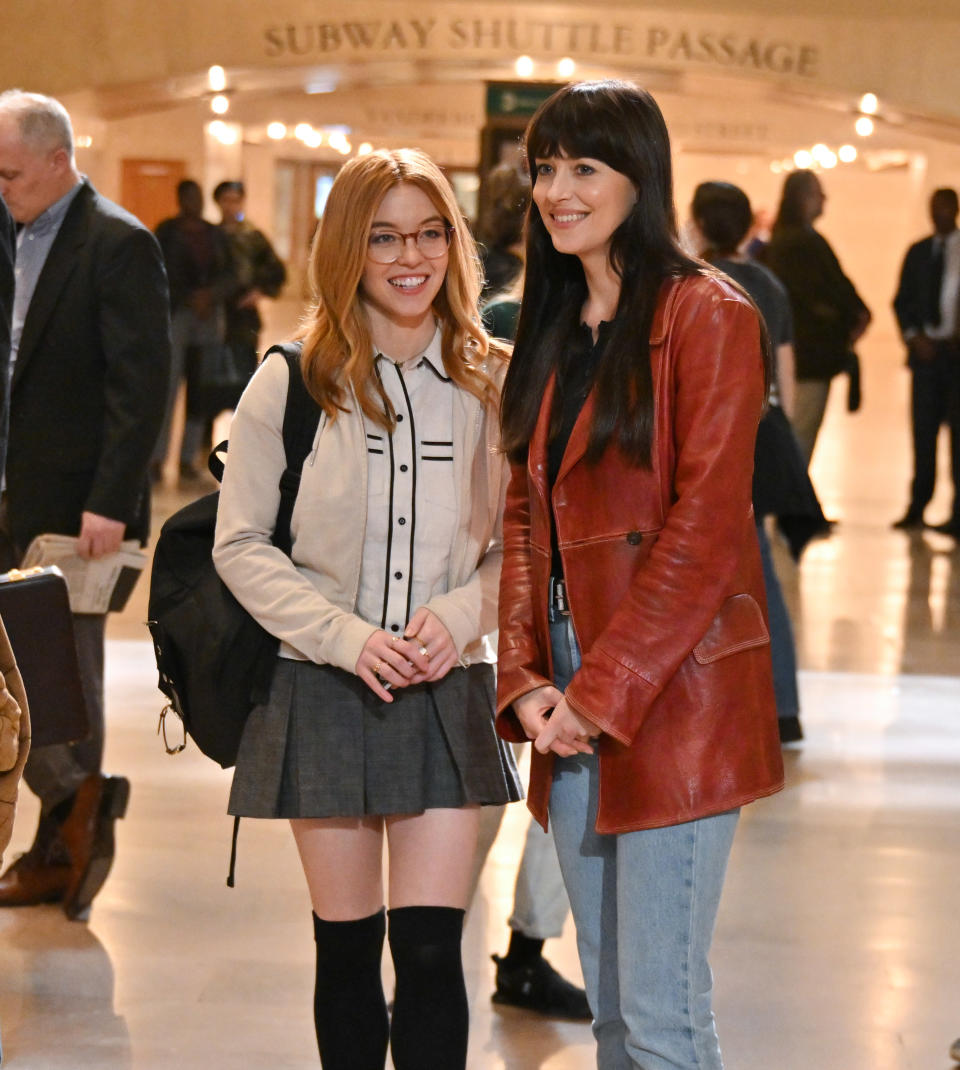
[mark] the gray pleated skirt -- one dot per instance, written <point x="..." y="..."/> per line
<point x="324" y="745"/>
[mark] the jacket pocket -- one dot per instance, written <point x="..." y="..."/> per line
<point x="738" y="626"/>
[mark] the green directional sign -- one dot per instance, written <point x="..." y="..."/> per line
<point x="516" y="100"/>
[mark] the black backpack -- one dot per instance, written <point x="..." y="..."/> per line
<point x="215" y="661"/>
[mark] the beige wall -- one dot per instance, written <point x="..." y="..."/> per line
<point x="906" y="50"/>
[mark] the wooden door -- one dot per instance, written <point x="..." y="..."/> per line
<point x="149" y="188"/>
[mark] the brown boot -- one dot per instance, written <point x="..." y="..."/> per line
<point x="31" y="880"/>
<point x="88" y="836"/>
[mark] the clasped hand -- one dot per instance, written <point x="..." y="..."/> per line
<point x="424" y="653"/>
<point x="548" y="719"/>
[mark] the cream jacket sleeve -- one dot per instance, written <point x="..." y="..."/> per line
<point x="283" y="596"/>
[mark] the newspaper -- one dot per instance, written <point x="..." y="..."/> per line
<point x="101" y="585"/>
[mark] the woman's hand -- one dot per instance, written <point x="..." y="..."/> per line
<point x="533" y="708"/>
<point x="388" y="659"/>
<point x="566" y="733"/>
<point x="429" y="636"/>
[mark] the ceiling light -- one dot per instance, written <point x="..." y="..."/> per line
<point x="276" y="131"/>
<point x="365" y="149"/>
<point x="828" y="160"/>
<point x="302" y="131"/>
<point x="566" y="67"/>
<point x="523" y="66"/>
<point x="225" y="133"/>
<point x="217" y="79"/>
<point x="220" y="104"/>
<point x="864" y="126"/>
<point x="869" y="104"/>
<point x="802" y="158"/>
<point x="847" y="153"/>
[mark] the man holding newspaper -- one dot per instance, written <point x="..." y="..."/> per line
<point x="90" y="360"/>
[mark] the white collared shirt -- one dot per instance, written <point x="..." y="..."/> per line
<point x="411" y="498"/>
<point x="949" y="289"/>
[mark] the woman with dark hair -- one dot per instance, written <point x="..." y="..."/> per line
<point x="379" y="724"/>
<point x="634" y="648"/>
<point x="500" y="228"/>
<point x="828" y="313"/>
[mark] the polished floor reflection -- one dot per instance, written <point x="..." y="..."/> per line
<point x="837" y="940"/>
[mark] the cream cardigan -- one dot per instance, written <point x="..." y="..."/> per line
<point x="308" y="599"/>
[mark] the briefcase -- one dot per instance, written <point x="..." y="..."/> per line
<point x="36" y="613"/>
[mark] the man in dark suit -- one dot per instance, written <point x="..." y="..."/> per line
<point x="926" y="306"/>
<point x="90" y="350"/>
<point x="8" y="245"/>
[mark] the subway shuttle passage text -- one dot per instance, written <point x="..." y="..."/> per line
<point x="641" y="42"/>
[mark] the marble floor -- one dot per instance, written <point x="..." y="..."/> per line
<point x="837" y="948"/>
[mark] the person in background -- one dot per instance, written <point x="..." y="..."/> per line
<point x="722" y="217"/>
<point x="91" y="359"/>
<point x="524" y="977"/>
<point x="633" y="646"/>
<point x="379" y="725"/>
<point x="14" y="715"/>
<point x="202" y="277"/>
<point x="828" y="313"/>
<point x="8" y="252"/>
<point x="259" y="272"/>
<point x="500" y="230"/>
<point x="926" y="306"/>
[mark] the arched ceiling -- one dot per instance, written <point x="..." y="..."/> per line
<point x="132" y="56"/>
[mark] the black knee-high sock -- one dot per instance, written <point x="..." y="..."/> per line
<point x="430" y="1018"/>
<point x="348" y="1003"/>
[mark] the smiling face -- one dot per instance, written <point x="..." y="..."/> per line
<point x="402" y="293"/>
<point x="582" y="202"/>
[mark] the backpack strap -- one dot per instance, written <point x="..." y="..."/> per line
<point x="301" y="417"/>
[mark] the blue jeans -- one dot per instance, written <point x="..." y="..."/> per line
<point x="644" y="904"/>
<point x="783" y="652"/>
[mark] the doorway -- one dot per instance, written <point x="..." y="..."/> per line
<point x="148" y="188"/>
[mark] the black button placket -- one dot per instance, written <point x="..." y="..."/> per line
<point x="399" y="564"/>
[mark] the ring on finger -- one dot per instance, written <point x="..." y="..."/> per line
<point x="424" y="651"/>
<point x="377" y="668"/>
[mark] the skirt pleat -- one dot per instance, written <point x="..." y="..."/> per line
<point x="324" y="745"/>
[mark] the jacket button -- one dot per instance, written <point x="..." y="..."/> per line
<point x="634" y="538"/>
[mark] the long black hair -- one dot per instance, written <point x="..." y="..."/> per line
<point x="620" y="125"/>
<point x="793" y="199"/>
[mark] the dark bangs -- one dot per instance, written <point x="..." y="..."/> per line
<point x="581" y="120"/>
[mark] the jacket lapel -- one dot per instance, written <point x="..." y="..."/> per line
<point x="59" y="266"/>
<point x="579" y="438"/>
<point x="537" y="450"/>
<point x="580" y="435"/>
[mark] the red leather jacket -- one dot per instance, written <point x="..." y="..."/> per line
<point x="664" y="581"/>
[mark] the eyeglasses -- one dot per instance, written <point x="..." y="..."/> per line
<point x="386" y="246"/>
